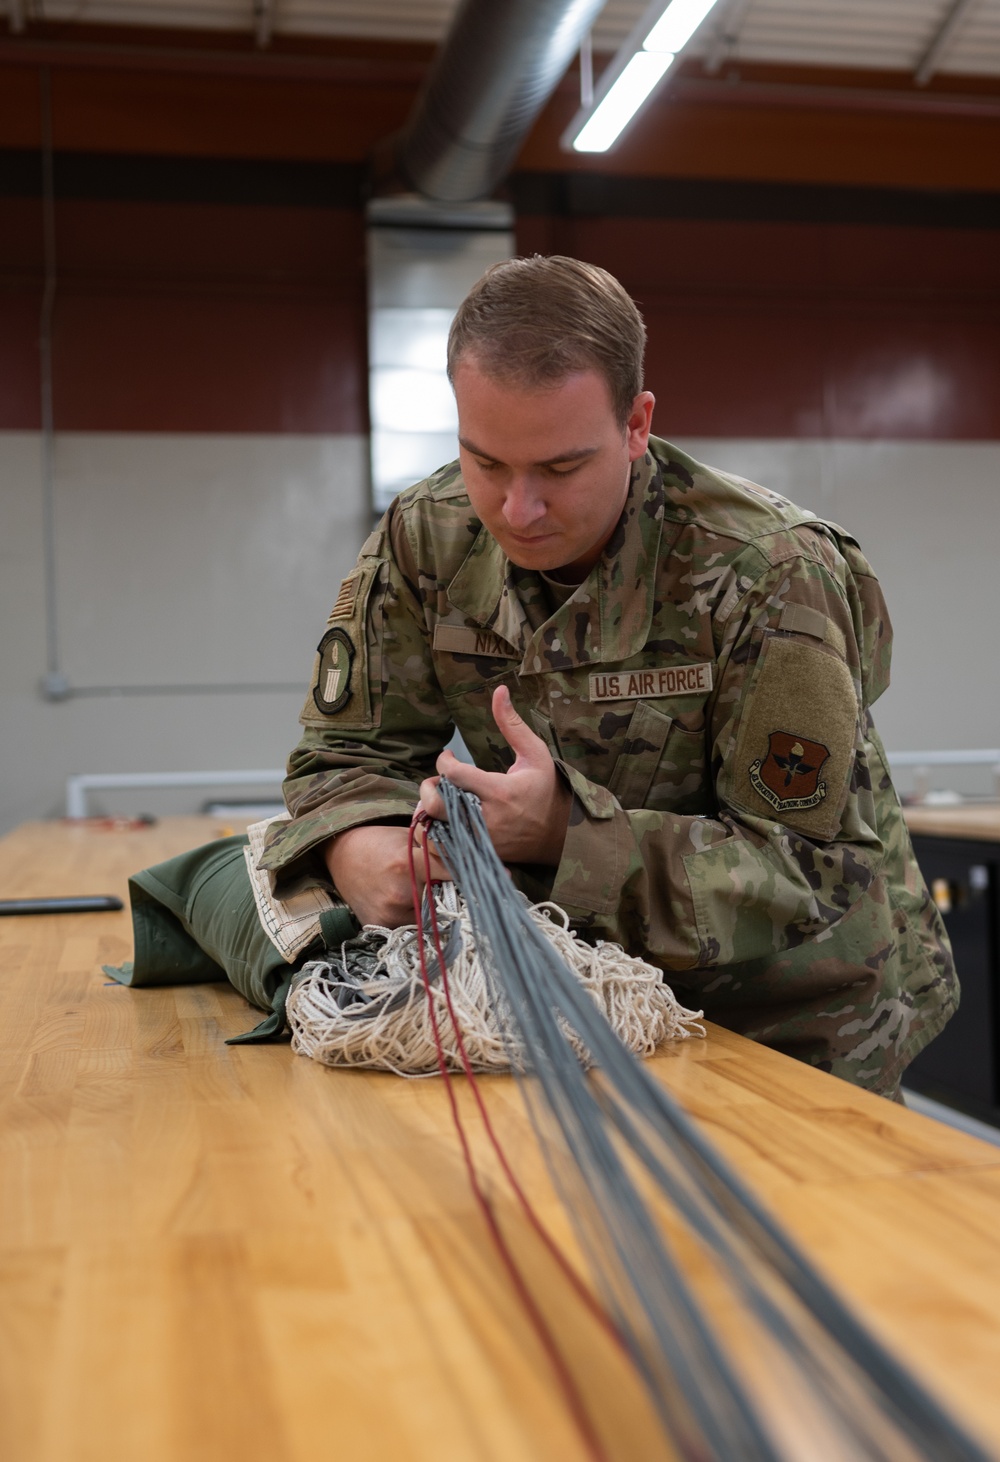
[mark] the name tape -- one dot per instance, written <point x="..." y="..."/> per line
<point x="630" y="685"/>
<point x="460" y="639"/>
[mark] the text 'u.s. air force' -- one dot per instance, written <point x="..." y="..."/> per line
<point x="649" y="684"/>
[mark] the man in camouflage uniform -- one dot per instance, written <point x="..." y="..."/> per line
<point x="664" y="676"/>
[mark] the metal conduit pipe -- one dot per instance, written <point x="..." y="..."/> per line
<point x="497" y="67"/>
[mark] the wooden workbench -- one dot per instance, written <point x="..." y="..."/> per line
<point x="224" y="1254"/>
<point x="979" y="821"/>
<point x="958" y="849"/>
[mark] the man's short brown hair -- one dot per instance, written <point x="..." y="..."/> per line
<point x="537" y="320"/>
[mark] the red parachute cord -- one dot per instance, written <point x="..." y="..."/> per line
<point x="548" y="1342"/>
<point x="587" y="1297"/>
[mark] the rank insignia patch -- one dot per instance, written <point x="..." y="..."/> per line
<point x="788" y="777"/>
<point x="332" y="690"/>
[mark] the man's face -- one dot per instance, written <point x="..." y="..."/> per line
<point x="547" y="469"/>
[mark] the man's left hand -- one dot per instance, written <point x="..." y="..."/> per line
<point x="527" y="807"/>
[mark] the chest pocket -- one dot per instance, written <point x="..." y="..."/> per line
<point x="661" y="764"/>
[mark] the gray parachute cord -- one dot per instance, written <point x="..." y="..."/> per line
<point x="831" y="1376"/>
<point x="731" y="1440"/>
<point x="589" y="1246"/>
<point x="727" y="1444"/>
<point x="485" y="884"/>
<point x="693" y="1217"/>
<point x="613" y="1179"/>
<point x="695" y="1362"/>
<point x="966" y="1448"/>
<point x="932" y="1431"/>
<point x="593" y="1029"/>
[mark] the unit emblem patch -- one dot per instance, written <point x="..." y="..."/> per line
<point x="332" y="690"/>
<point x="788" y="777"/>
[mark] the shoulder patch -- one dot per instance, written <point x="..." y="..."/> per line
<point x="788" y="777"/>
<point x="794" y="748"/>
<point x="333" y="687"/>
<point x="347" y="671"/>
<point x="346" y="599"/>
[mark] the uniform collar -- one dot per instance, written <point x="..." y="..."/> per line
<point x="606" y="619"/>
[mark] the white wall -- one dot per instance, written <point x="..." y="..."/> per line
<point x="180" y="560"/>
<point x="213" y="560"/>
<point x="927" y="516"/>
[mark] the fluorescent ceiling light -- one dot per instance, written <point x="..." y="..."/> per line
<point x="677" y="25"/>
<point x="619" y="106"/>
<point x="660" y="33"/>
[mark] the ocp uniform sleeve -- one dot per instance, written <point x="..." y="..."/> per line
<point x="788" y="841"/>
<point x="374" y="719"/>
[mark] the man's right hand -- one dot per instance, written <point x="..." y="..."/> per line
<point x="370" y="870"/>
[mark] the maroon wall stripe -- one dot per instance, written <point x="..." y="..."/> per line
<point x="187" y="318"/>
<point x="239" y="318"/>
<point x="241" y="364"/>
<point x="789" y="330"/>
<point x="194" y="93"/>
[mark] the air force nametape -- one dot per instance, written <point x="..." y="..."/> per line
<point x="630" y="685"/>
<point x="459" y="639"/>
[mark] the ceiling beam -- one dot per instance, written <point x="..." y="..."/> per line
<point x="726" y="35"/>
<point x="941" y="40"/>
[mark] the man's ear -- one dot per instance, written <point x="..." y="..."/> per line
<point x="639" y="424"/>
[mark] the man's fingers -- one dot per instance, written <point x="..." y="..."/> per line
<point x="462" y="774"/>
<point x="431" y="800"/>
<point x="517" y="733"/>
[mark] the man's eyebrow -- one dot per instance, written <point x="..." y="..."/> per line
<point x="576" y="454"/>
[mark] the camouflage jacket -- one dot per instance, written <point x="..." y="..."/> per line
<point x="706" y="694"/>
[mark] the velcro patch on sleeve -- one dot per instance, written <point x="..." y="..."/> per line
<point x="800" y="619"/>
<point x="795" y="743"/>
<point x="348" y="657"/>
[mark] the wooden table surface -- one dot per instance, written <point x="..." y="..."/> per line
<point x="224" y="1254"/>
<point x="978" y="820"/>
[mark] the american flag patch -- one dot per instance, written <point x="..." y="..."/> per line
<point x="346" y="599"/>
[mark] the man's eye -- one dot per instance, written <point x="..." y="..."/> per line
<point x="487" y="466"/>
<point x="563" y="471"/>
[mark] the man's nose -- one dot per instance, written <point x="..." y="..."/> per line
<point x="523" y="504"/>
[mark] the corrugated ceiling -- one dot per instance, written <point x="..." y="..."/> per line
<point x="884" y="34"/>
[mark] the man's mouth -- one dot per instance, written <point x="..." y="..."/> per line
<point x="526" y="541"/>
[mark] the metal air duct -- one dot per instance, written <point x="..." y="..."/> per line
<point x="497" y="67"/>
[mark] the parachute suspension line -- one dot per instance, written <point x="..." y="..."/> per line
<point x="584" y="1293"/>
<point x="701" y="1402"/>
<point x="841" y="1377"/>
<point x="547" y="1340"/>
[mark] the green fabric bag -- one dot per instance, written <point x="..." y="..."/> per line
<point x="194" y="919"/>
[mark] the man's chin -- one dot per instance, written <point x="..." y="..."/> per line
<point x="546" y="554"/>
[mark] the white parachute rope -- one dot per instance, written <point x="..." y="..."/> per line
<point x="343" y="1015"/>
